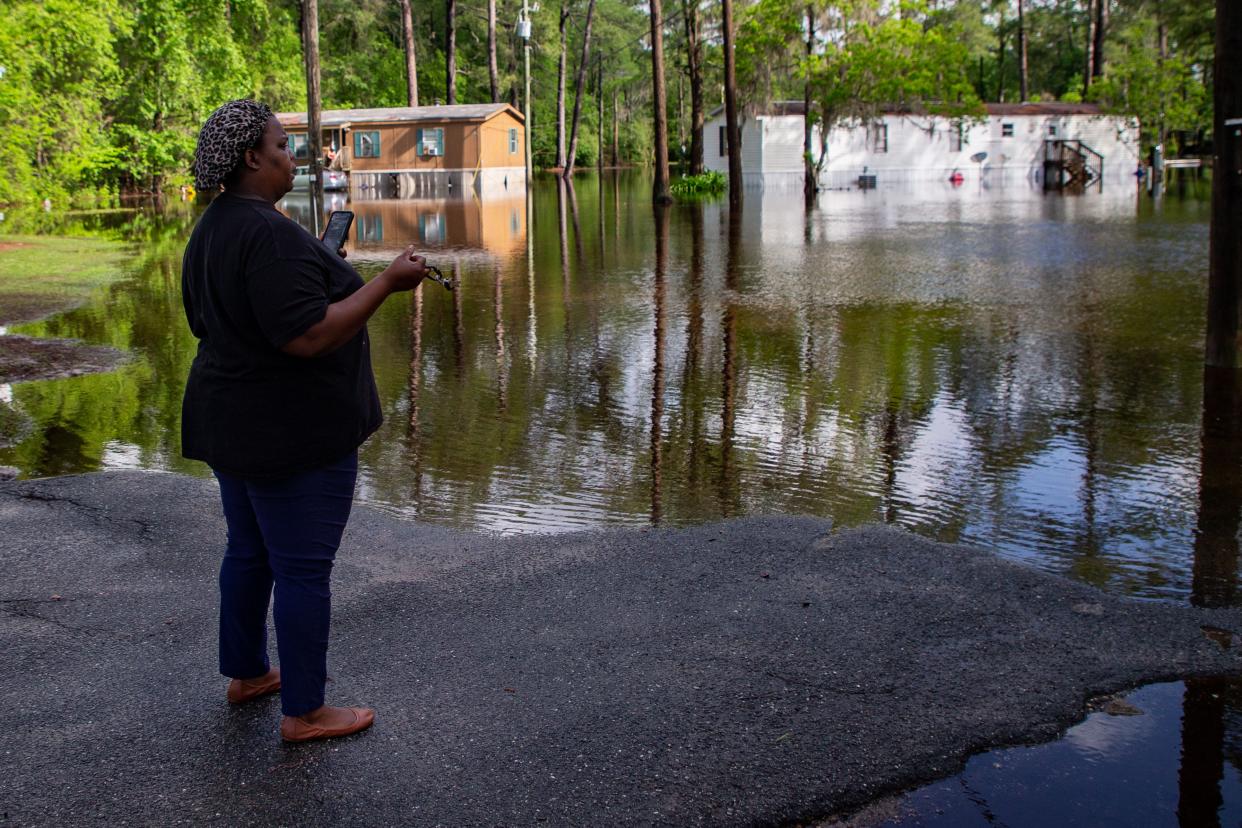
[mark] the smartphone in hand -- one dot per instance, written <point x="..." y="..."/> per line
<point x="338" y="229"/>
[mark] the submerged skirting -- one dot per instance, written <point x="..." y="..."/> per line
<point x="490" y="181"/>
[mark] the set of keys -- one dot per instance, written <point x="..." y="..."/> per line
<point x="435" y="275"/>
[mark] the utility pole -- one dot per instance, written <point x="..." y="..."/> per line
<point x="524" y="32"/>
<point x="314" y="130"/>
<point x="1225" y="258"/>
<point x="731" y="125"/>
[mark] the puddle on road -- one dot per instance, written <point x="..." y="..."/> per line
<point x="1164" y="754"/>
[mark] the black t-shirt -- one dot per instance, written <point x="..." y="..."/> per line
<point x="253" y="280"/>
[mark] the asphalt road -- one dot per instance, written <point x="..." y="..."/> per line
<point x="758" y="671"/>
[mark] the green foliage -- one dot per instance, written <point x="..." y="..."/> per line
<point x="1165" y="95"/>
<point x="60" y="67"/>
<point x="706" y="183"/>
<point x="103" y="96"/>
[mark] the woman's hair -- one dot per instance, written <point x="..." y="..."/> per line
<point x="222" y="142"/>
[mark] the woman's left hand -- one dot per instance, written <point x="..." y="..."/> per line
<point x="340" y="251"/>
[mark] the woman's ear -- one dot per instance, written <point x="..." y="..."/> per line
<point x="251" y="159"/>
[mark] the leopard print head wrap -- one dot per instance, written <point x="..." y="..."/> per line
<point x="228" y="132"/>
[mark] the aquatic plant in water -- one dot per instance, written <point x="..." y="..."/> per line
<point x="707" y="183"/>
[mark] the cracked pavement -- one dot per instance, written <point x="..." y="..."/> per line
<point x="757" y="671"/>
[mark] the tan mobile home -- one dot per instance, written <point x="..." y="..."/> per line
<point x="421" y="151"/>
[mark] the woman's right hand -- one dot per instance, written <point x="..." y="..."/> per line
<point x="406" y="271"/>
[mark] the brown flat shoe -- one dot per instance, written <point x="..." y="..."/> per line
<point x="244" y="690"/>
<point x="298" y="729"/>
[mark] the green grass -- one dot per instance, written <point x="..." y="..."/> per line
<point x="44" y="275"/>
<point x="59" y="266"/>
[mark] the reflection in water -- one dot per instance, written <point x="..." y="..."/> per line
<point x="413" y="434"/>
<point x="1168" y="763"/>
<point x="1208" y="703"/>
<point x="1214" y="574"/>
<point x="502" y="367"/>
<point x="657" y="368"/>
<point x="459" y="325"/>
<point x="999" y="367"/>
<point x="383" y="227"/>
<point x="729" y="368"/>
<point x="1203" y="758"/>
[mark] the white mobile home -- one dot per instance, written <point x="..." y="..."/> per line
<point x="1030" y="140"/>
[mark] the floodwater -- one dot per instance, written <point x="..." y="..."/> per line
<point x="990" y="365"/>
<point x="994" y="366"/>
<point x="1168" y="756"/>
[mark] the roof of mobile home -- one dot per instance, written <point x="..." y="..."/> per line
<point x="999" y="109"/>
<point x="401" y="114"/>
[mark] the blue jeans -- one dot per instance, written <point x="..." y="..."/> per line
<point x="285" y="532"/>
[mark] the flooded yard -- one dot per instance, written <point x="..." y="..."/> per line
<point x="995" y="366"/>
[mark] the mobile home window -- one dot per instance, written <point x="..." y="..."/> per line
<point x="879" y="138"/>
<point x="1006" y="130"/>
<point x="366" y="145"/>
<point x="299" y="145"/>
<point x="512" y="141"/>
<point x="1052" y="130"/>
<point x="370" y="228"/>
<point x="955" y="138"/>
<point x="431" y="141"/>
<point x="724" y="143"/>
<point x="431" y="227"/>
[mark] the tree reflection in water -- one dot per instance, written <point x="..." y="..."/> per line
<point x="657" y="367"/>
<point x="1210" y="706"/>
<point x="998" y="367"/>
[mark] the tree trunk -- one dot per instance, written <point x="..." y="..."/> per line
<point x="659" y="104"/>
<point x="492" y="73"/>
<point x="1101" y="30"/>
<point x="1023" y="90"/>
<point x="681" y="116"/>
<point x="560" y="90"/>
<point x="694" y="67"/>
<point x="599" y="123"/>
<point x="1225" y="256"/>
<point x="809" y="183"/>
<point x="450" y="51"/>
<point x="616" y="132"/>
<point x="1162" y="38"/>
<point x="1089" y="68"/>
<point x="1000" y="59"/>
<point x="732" y="128"/>
<point x="579" y="84"/>
<point x="411" y="64"/>
<point x="314" y="131"/>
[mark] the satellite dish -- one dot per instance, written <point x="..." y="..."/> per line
<point x="979" y="157"/>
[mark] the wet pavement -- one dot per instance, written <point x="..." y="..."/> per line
<point x="760" y="670"/>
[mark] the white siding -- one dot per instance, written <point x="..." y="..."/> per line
<point x="782" y="144"/>
<point x="921" y="147"/>
<point x="752" y="146"/>
<point x="713" y="158"/>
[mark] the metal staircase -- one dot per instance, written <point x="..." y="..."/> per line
<point x="1071" y="165"/>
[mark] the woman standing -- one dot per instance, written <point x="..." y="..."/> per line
<point x="279" y="397"/>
